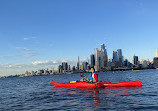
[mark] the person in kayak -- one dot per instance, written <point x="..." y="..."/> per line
<point x="93" y="77"/>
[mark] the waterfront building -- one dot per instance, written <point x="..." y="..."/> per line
<point x="109" y="64"/>
<point x="69" y="67"/>
<point x="60" y="69"/>
<point x="103" y="49"/>
<point x="144" y="63"/>
<point x="92" y="60"/>
<point x="103" y="56"/>
<point x="65" y="66"/>
<point x="78" y="64"/>
<point x="155" y="62"/>
<point x="120" y="57"/>
<point x="73" y="68"/>
<point x="100" y="59"/>
<point x="135" y="60"/>
<point x="105" y="61"/>
<point x="85" y="64"/>
<point x="96" y="54"/>
<point x="81" y="67"/>
<point x="33" y="73"/>
<point x="115" y="57"/>
<point x="126" y="63"/>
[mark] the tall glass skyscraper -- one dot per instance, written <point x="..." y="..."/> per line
<point x="92" y="60"/>
<point x="78" y="63"/>
<point x="65" y="66"/>
<point x="135" y="60"/>
<point x="120" y="57"/>
<point x="96" y="59"/>
<point x="115" y="57"/>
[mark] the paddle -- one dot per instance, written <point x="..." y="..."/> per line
<point x="78" y="80"/>
<point x="82" y="75"/>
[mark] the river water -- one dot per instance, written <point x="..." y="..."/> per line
<point x="37" y="94"/>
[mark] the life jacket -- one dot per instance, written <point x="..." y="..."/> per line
<point x="93" y="76"/>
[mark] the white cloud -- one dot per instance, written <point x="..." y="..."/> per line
<point x="30" y="54"/>
<point x="3" y="57"/>
<point x="25" y="38"/>
<point x="46" y="62"/>
<point x="28" y="38"/>
<point x="22" y="48"/>
<point x="54" y="62"/>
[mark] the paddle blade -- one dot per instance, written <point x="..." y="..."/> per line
<point x="81" y="75"/>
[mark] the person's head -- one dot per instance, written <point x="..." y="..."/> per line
<point x="92" y="69"/>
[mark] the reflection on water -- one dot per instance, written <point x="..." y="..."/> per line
<point x="100" y="98"/>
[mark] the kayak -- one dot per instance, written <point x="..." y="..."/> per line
<point x="75" y="84"/>
<point x="121" y="84"/>
<point x="99" y="84"/>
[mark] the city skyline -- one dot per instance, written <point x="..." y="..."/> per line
<point x="38" y="34"/>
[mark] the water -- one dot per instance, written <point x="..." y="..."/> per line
<point x="37" y="94"/>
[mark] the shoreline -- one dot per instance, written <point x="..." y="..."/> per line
<point x="114" y="70"/>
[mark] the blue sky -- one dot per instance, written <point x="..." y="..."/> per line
<point x="52" y="31"/>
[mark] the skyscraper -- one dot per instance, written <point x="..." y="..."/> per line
<point x="103" y="49"/>
<point x="96" y="54"/>
<point x="155" y="62"/>
<point x="120" y="57"/>
<point x="105" y="61"/>
<point x="92" y="60"/>
<point x="135" y="60"/>
<point x="78" y="63"/>
<point x="115" y="57"/>
<point x="103" y="57"/>
<point x="64" y="66"/>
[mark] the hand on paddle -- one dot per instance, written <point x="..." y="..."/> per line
<point x="84" y="77"/>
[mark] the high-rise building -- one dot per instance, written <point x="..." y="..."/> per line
<point x="155" y="62"/>
<point x="78" y="63"/>
<point x="144" y="63"/>
<point x="103" y="49"/>
<point x="120" y="57"/>
<point x="65" y="66"/>
<point x="156" y="53"/>
<point x="84" y="65"/>
<point x="105" y="61"/>
<point x="115" y="57"/>
<point x="92" y="60"/>
<point x="69" y="67"/>
<point x="96" y="54"/>
<point x="109" y="64"/>
<point x="73" y="68"/>
<point x="103" y="52"/>
<point x="135" y="60"/>
<point x="60" y="69"/>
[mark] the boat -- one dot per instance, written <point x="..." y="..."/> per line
<point x="75" y="84"/>
<point x="121" y="84"/>
<point x="99" y="84"/>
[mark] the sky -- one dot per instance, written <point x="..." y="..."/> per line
<point x="38" y="34"/>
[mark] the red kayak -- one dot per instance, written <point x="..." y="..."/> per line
<point x="121" y="84"/>
<point x="77" y="84"/>
<point x="100" y="84"/>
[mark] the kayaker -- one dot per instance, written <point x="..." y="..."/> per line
<point x="93" y="77"/>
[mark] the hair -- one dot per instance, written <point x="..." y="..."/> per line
<point x="93" y="68"/>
